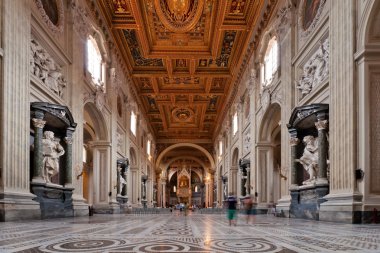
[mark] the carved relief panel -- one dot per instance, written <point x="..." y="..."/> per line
<point x="315" y="71"/>
<point x="46" y="70"/>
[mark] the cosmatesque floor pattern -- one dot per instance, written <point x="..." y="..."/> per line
<point x="192" y="233"/>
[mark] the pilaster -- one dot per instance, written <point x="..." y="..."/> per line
<point x="342" y="202"/>
<point x="15" y="197"/>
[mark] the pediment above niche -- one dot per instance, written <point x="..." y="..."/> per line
<point x="179" y="15"/>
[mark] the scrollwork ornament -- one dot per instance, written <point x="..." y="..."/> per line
<point x="321" y="124"/>
<point x="39" y="123"/>
<point x="80" y="20"/>
<point x="69" y="140"/>
<point x="294" y="141"/>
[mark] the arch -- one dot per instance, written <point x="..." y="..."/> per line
<point x="269" y="122"/>
<point x="203" y="150"/>
<point x="98" y="127"/>
<point x="368" y="74"/>
<point x="370" y="18"/>
<point x="169" y="162"/>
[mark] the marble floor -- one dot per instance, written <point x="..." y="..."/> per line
<point x="192" y="233"/>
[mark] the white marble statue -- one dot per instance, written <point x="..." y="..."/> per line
<point x="122" y="183"/>
<point x="51" y="151"/>
<point x="309" y="158"/>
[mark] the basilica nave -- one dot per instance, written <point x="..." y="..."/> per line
<point x="124" y="112"/>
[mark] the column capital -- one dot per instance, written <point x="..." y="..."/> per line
<point x="39" y="123"/>
<point x="321" y="124"/>
<point x="69" y="140"/>
<point x="294" y="141"/>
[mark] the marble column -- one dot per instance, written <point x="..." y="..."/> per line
<point x="163" y="185"/>
<point x="69" y="158"/>
<point x="293" y="163"/>
<point x="123" y="174"/>
<point x="248" y="189"/>
<point x="118" y="179"/>
<point x="38" y="124"/>
<point x="322" y="151"/>
<point x="243" y="181"/>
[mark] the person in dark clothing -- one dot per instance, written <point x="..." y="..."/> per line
<point x="248" y="206"/>
<point x="231" y="209"/>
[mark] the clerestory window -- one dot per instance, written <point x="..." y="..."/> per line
<point x="270" y="64"/>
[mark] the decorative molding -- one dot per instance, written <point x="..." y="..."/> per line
<point x="58" y="27"/>
<point x="301" y="15"/>
<point x="80" y="20"/>
<point x="68" y="140"/>
<point x="284" y="17"/>
<point x="98" y="97"/>
<point x="294" y="141"/>
<point x="265" y="99"/>
<point x="247" y="142"/>
<point x="316" y="70"/>
<point x="39" y="123"/>
<point x="43" y="66"/>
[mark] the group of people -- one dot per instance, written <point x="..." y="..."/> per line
<point x="231" y="205"/>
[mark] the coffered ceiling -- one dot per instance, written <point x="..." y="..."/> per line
<point x="183" y="56"/>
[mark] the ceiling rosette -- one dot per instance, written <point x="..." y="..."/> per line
<point x="179" y="15"/>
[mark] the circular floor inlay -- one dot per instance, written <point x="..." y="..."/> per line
<point x="84" y="245"/>
<point x="242" y="245"/>
<point x="162" y="247"/>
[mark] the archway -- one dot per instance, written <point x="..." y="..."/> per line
<point x="268" y="160"/>
<point x="96" y="153"/>
<point x="368" y="67"/>
<point x="234" y="173"/>
<point x="180" y="145"/>
<point x="172" y="153"/>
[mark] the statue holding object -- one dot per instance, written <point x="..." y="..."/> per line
<point x="309" y="158"/>
<point x="51" y="151"/>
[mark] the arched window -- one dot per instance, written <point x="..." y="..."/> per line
<point x="235" y="123"/>
<point x="94" y="62"/>
<point x="269" y="65"/>
<point x="220" y="148"/>
<point x="133" y="123"/>
<point x="84" y="154"/>
<point x="148" y="147"/>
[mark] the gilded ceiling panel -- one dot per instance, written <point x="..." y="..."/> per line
<point x="183" y="56"/>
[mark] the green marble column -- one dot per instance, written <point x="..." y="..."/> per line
<point x="293" y="162"/>
<point x="123" y="174"/>
<point x="69" y="159"/>
<point x="322" y="151"/>
<point x="118" y="175"/>
<point x="38" y="124"/>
